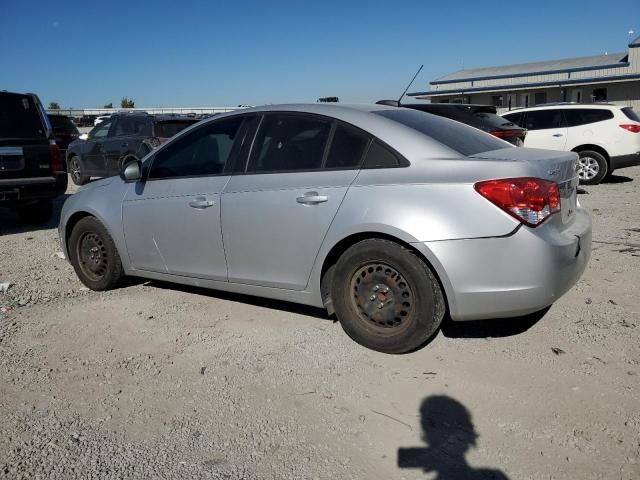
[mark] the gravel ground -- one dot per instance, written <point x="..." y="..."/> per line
<point x="159" y="381"/>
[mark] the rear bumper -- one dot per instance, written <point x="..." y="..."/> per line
<point x="15" y="190"/>
<point x="622" y="161"/>
<point x="514" y="275"/>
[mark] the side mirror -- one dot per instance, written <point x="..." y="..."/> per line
<point x="131" y="171"/>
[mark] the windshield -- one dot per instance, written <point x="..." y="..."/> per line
<point x="19" y="117"/>
<point x="461" y="138"/>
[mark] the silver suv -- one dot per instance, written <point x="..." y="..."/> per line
<point x="391" y="218"/>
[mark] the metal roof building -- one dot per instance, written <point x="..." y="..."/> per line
<point x="614" y="78"/>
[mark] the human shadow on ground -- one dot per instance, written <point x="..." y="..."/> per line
<point x="448" y="431"/>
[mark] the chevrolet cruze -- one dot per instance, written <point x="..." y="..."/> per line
<point x="388" y="217"/>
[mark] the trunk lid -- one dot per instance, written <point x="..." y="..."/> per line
<point x="556" y="166"/>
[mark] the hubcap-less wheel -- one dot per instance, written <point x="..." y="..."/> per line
<point x="589" y="168"/>
<point x="75" y="170"/>
<point x="93" y="256"/>
<point x="382" y="297"/>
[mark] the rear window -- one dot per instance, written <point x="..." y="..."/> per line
<point x="19" y="117"/>
<point x="584" y="116"/>
<point x="169" y="128"/>
<point x="491" y="120"/>
<point x="631" y="114"/>
<point x="458" y="137"/>
<point x="60" y="122"/>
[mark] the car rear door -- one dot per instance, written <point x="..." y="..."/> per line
<point x="95" y="157"/>
<point x="172" y="219"/>
<point x="24" y="147"/>
<point x="278" y="208"/>
<point x="546" y="128"/>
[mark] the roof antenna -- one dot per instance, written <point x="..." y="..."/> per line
<point x="410" y="83"/>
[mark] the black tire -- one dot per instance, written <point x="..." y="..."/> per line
<point x="35" y="213"/>
<point x="76" y="170"/>
<point x="385" y="296"/>
<point x="94" y="256"/>
<point x="593" y="167"/>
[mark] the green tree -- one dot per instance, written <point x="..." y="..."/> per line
<point x="127" y="103"/>
<point x="109" y="105"/>
<point x="54" y="106"/>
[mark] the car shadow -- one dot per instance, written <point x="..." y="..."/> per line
<point x="617" y="179"/>
<point x="496" y="328"/>
<point x="271" y="304"/>
<point x="448" y="432"/>
<point x="11" y="224"/>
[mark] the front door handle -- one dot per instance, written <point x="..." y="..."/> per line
<point x="312" y="198"/>
<point x="124" y="145"/>
<point x="558" y="135"/>
<point x="201" y="203"/>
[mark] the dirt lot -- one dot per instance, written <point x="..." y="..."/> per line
<point x="154" y="380"/>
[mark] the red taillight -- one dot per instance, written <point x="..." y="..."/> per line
<point x="529" y="200"/>
<point x="632" y="127"/>
<point x="56" y="156"/>
<point x="507" y="133"/>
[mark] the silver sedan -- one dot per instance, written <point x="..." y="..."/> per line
<point x="390" y="218"/>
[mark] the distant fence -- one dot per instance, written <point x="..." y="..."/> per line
<point x="79" y="112"/>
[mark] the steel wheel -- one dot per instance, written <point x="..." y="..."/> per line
<point x="93" y="256"/>
<point x="589" y="168"/>
<point x="382" y="297"/>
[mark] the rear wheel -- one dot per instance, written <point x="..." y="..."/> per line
<point x="76" y="169"/>
<point x="94" y="256"/>
<point x="35" y="212"/>
<point x="593" y="167"/>
<point x="386" y="297"/>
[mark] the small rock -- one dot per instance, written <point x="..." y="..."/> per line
<point x="588" y="301"/>
<point x="557" y="351"/>
<point x="59" y="255"/>
<point x="4" y="287"/>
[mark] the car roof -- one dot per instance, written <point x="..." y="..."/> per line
<point x="569" y="105"/>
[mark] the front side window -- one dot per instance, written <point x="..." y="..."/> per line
<point x="515" y="118"/>
<point x="543" y="119"/>
<point x="585" y="116"/>
<point x="289" y="143"/>
<point x="202" y="152"/>
<point x="102" y="130"/>
<point x="132" y="126"/>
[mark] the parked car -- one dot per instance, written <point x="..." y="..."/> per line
<point x="64" y="131"/>
<point x="86" y="121"/>
<point x="606" y="137"/>
<point x="388" y="217"/>
<point x="31" y="172"/>
<point x="98" y="120"/>
<point x="483" y="117"/>
<point x="121" y="138"/>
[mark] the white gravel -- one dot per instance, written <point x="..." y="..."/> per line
<point x="160" y="381"/>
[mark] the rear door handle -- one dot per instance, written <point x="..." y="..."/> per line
<point x="201" y="203"/>
<point x="558" y="135"/>
<point x="312" y="198"/>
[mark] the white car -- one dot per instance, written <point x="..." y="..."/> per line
<point x="101" y="119"/>
<point x="606" y="137"/>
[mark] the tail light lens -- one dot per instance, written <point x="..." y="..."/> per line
<point x="508" y="133"/>
<point x="529" y="200"/>
<point x="632" y="127"/>
<point x="56" y="156"/>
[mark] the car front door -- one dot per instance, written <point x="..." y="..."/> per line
<point x="277" y="210"/>
<point x="546" y="128"/>
<point x="95" y="158"/>
<point x="172" y="219"/>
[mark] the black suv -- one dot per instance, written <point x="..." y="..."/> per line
<point x="483" y="117"/>
<point x="121" y="138"/>
<point x="31" y="170"/>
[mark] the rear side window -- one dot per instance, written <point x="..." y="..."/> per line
<point x="202" y="152"/>
<point x="167" y="129"/>
<point x="289" y="143"/>
<point x="461" y="138"/>
<point x="380" y="156"/>
<point x="19" y="117"/>
<point x="543" y="119"/>
<point x="133" y="126"/>
<point x="631" y="114"/>
<point x="584" y="116"/>
<point x="515" y="118"/>
<point x="347" y="148"/>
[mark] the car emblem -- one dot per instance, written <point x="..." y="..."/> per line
<point x="553" y="171"/>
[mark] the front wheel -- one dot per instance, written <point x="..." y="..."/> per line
<point x="94" y="256"/>
<point x="593" y="167"/>
<point x="386" y="297"/>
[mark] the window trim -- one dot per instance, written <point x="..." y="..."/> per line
<point x="234" y="152"/>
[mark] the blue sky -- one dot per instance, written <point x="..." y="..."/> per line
<point x="209" y="53"/>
